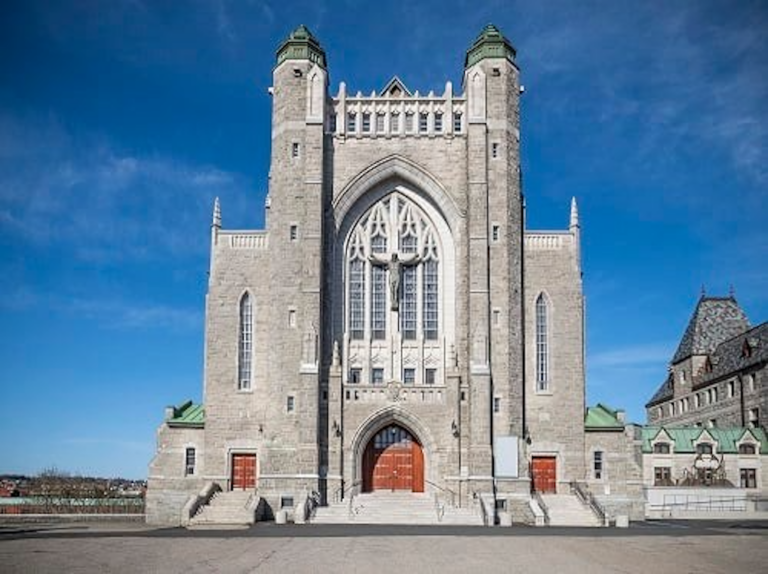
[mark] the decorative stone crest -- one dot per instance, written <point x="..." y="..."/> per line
<point x="394" y="391"/>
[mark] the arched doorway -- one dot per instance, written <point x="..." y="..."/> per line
<point x="393" y="460"/>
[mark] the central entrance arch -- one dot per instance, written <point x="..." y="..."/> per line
<point x="393" y="460"/>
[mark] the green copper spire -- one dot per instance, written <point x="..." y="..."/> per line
<point x="301" y="45"/>
<point x="491" y="43"/>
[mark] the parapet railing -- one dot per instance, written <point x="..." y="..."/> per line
<point x="697" y="503"/>
<point x="540" y="501"/>
<point x="583" y="493"/>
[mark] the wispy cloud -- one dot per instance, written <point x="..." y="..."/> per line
<point x="104" y="203"/>
<point x="112" y="313"/>
<point x="653" y="355"/>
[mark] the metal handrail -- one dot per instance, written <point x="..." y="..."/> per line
<point x="444" y="489"/>
<point x="583" y="493"/>
<point x="540" y="501"/>
<point x="340" y="492"/>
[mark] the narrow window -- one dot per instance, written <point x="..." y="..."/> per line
<point x="294" y="232"/>
<point x="754" y="417"/>
<point x="333" y="125"/>
<point x="496" y="317"/>
<point x="245" y="351"/>
<point x="438" y="123"/>
<point x="704" y="448"/>
<point x="661" y="448"/>
<point x="366" y="122"/>
<point x="356" y="298"/>
<point x="189" y="461"/>
<point x="408" y="285"/>
<point x="730" y="389"/>
<point x="292" y="318"/>
<point x="712" y="423"/>
<point x="295" y="150"/>
<point x="409" y="122"/>
<point x="748" y="477"/>
<point x="423" y="122"/>
<point x="378" y="292"/>
<point x="380" y="123"/>
<point x="496" y="405"/>
<point x="597" y="465"/>
<point x="409" y="376"/>
<point x="429" y="376"/>
<point x="463" y="396"/>
<point x="377" y="376"/>
<point x="542" y="344"/>
<point x="697" y="400"/>
<point x="494" y="150"/>
<point x="352" y="122"/>
<point x="671" y="409"/>
<point x="430" y="303"/>
<point x="290" y="404"/>
<point x="495" y="232"/>
<point x="751" y="383"/>
<point x="355" y="375"/>
<point x="457" y="123"/>
<point x="394" y="123"/>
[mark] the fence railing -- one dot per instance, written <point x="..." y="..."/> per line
<point x="45" y="505"/>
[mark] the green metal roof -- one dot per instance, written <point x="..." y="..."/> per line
<point x="188" y="415"/>
<point x="301" y="45"/>
<point x="602" y="417"/>
<point x="491" y="43"/>
<point x="685" y="438"/>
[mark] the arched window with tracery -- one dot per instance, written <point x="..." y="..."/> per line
<point x="392" y="264"/>
<point x="542" y="343"/>
<point x="245" y="343"/>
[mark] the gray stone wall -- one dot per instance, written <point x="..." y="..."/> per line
<point x="555" y="416"/>
<point x="168" y="489"/>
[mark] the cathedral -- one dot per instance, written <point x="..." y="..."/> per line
<point x="395" y="326"/>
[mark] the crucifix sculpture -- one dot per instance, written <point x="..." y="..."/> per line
<point x="394" y="265"/>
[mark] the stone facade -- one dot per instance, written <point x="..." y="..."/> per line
<point x="472" y="340"/>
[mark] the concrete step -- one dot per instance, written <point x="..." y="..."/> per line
<point x="568" y="510"/>
<point x="225" y="509"/>
<point x="394" y="508"/>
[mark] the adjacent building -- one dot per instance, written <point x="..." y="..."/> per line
<point x="718" y="375"/>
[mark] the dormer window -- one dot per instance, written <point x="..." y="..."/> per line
<point x="747" y="449"/>
<point x="704" y="448"/>
<point x="661" y="448"/>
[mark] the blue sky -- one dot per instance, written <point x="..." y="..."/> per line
<point x="121" y="121"/>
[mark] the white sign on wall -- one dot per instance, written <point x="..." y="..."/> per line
<point x="505" y="452"/>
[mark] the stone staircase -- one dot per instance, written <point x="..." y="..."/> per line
<point x="568" y="510"/>
<point x="233" y="508"/>
<point x="395" y="508"/>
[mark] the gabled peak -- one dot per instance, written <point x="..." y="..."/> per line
<point x="395" y="88"/>
<point x="715" y="320"/>
<point x="491" y="43"/>
<point x="301" y="45"/>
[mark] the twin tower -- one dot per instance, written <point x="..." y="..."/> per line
<point x="395" y="327"/>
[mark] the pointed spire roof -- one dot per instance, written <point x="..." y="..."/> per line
<point x="715" y="319"/>
<point x="301" y="45"/>
<point x="491" y="43"/>
<point x="574" y="213"/>
<point x="216" y="213"/>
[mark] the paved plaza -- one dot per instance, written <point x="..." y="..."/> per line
<point x="649" y="548"/>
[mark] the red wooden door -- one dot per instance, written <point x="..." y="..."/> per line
<point x="544" y="470"/>
<point x="393" y="460"/>
<point x="243" y="471"/>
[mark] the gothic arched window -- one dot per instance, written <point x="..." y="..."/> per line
<point x="542" y="343"/>
<point x="245" y="343"/>
<point x="392" y="262"/>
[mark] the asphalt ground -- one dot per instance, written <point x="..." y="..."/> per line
<point x="699" y="547"/>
